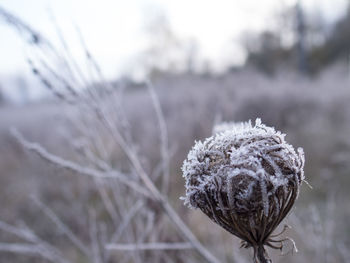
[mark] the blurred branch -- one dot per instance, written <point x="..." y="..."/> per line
<point x="94" y="237"/>
<point x="164" y="145"/>
<point x="63" y="227"/>
<point x="150" y="246"/>
<point x="185" y="231"/>
<point x="95" y="106"/>
<point x="42" y="248"/>
<point x="163" y="202"/>
<point x="21" y="248"/>
<point x="74" y="167"/>
<point x="127" y="219"/>
<point x="23" y="28"/>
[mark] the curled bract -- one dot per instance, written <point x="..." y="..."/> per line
<point x="245" y="178"/>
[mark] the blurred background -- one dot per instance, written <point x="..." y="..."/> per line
<point x="287" y="62"/>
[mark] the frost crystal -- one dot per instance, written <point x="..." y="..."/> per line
<point x="246" y="179"/>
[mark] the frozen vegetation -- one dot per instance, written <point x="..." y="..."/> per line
<point x="94" y="175"/>
<point x="245" y="178"/>
<point x="104" y="213"/>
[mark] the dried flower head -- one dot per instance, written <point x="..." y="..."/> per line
<point x="246" y="179"/>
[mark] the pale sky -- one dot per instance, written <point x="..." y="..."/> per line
<point x="115" y="29"/>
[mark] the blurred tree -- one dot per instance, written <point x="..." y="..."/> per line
<point x="275" y="47"/>
<point x="301" y="30"/>
<point x="191" y="55"/>
<point x="166" y="51"/>
<point x="23" y="89"/>
<point x="335" y="47"/>
<point x="162" y="43"/>
<point x="313" y="45"/>
<point x="265" y="51"/>
<point x="2" y="97"/>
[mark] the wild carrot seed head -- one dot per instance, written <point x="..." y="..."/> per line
<point x="245" y="178"/>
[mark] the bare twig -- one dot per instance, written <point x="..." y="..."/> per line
<point x="94" y="237"/>
<point x="149" y="188"/>
<point x="69" y="165"/>
<point x="43" y="248"/>
<point x="150" y="246"/>
<point x="127" y="219"/>
<point x="20" y="248"/>
<point x="184" y="230"/>
<point x="164" y="145"/>
<point x="23" y="28"/>
<point x="63" y="227"/>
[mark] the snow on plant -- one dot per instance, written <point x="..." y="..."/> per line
<point x="246" y="179"/>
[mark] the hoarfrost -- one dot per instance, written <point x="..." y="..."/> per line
<point x="246" y="179"/>
<point x="248" y="164"/>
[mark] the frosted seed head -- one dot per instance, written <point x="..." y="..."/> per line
<point x="246" y="174"/>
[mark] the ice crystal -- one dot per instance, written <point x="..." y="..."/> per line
<point x="245" y="178"/>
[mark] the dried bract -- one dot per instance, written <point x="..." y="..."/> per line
<point x="246" y="179"/>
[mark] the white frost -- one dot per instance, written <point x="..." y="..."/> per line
<point x="247" y="161"/>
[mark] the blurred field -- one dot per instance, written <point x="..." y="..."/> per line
<point x="314" y="113"/>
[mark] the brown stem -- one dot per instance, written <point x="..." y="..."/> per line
<point x="262" y="255"/>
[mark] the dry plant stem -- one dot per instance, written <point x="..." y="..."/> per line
<point x="164" y="203"/>
<point x="163" y="137"/>
<point x="64" y="228"/>
<point x="184" y="230"/>
<point x="76" y="168"/>
<point x="43" y="248"/>
<point x="20" y="248"/>
<point x="149" y="188"/>
<point x="261" y="255"/>
<point x="150" y="246"/>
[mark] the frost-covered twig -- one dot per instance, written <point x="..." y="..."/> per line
<point x="149" y="184"/>
<point x="150" y="246"/>
<point x="42" y="248"/>
<point x="163" y="137"/>
<point x="23" y="28"/>
<point x="184" y="230"/>
<point x="20" y="248"/>
<point x="94" y="237"/>
<point x="129" y="215"/>
<point x="93" y="101"/>
<point x="76" y="168"/>
<point x="62" y="226"/>
<point x="102" y="189"/>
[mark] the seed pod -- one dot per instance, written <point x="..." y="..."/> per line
<point x="246" y="179"/>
